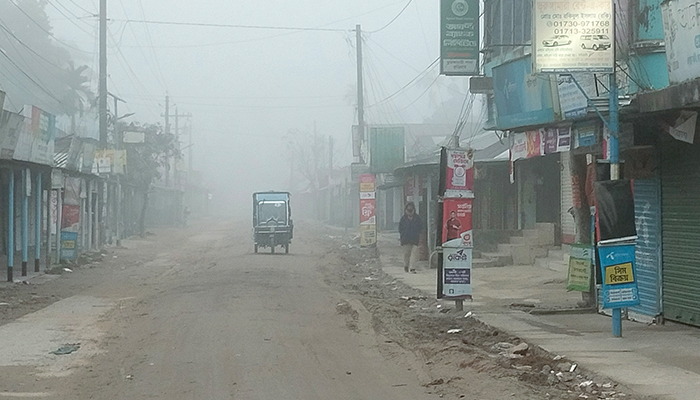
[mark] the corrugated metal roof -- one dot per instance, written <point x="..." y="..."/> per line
<point x="60" y="160"/>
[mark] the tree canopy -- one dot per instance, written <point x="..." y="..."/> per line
<point x="35" y="67"/>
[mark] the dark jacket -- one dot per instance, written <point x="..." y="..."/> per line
<point x="410" y="229"/>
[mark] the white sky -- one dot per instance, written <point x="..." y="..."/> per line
<point x="245" y="88"/>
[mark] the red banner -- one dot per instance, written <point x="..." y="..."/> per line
<point x="457" y="223"/>
<point x="70" y="218"/>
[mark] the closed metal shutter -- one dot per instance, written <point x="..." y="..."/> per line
<point x="647" y="211"/>
<point x="568" y="226"/>
<point x="680" y="205"/>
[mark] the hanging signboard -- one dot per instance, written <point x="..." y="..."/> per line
<point x="619" y="279"/>
<point x="368" y="212"/>
<point x="459" y="37"/>
<point x="682" y="39"/>
<point x="572" y="101"/>
<point x="580" y="261"/>
<point x="459" y="173"/>
<point x="456" y="273"/>
<point x="69" y="245"/>
<point x="573" y="36"/>
<point x="457" y="223"/>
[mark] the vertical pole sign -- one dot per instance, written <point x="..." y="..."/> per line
<point x="455" y="230"/>
<point x="459" y="37"/>
<point x="368" y="211"/>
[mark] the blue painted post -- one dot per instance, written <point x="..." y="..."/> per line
<point x="37" y="241"/>
<point x="11" y="226"/>
<point x="25" y="221"/>
<point x="614" y="174"/>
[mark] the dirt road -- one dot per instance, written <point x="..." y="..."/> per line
<point x="194" y="314"/>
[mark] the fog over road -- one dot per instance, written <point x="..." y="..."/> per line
<point x="194" y="314"/>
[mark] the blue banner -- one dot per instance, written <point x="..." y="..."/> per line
<point x="619" y="276"/>
<point x="69" y="245"/>
<point x="522" y="98"/>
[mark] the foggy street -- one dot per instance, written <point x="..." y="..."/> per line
<point x="194" y="314"/>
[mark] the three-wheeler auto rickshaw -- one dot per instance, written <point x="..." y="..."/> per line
<point x="272" y="220"/>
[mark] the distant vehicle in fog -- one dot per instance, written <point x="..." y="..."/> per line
<point x="272" y="220"/>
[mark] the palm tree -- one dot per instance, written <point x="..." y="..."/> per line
<point x="77" y="97"/>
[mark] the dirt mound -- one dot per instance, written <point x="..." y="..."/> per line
<point x="461" y="354"/>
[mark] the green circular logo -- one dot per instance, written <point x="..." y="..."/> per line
<point x="460" y="8"/>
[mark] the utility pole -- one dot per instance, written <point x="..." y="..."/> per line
<point x="118" y="147"/>
<point x="189" y="151"/>
<point x="167" y="114"/>
<point x="360" y="90"/>
<point x="102" y="89"/>
<point x="167" y="131"/>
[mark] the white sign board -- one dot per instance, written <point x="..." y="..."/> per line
<point x="572" y="101"/>
<point x="681" y="20"/>
<point x="133" y="137"/>
<point x="457" y="273"/>
<point x="573" y="36"/>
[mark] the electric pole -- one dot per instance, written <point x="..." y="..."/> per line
<point x="360" y="91"/>
<point x="167" y="114"/>
<point x="189" y="151"/>
<point x="102" y="89"/>
<point x="167" y="131"/>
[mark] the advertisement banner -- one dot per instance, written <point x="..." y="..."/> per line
<point x="535" y="143"/>
<point x="681" y="20"/>
<point x="368" y="235"/>
<point x="619" y="279"/>
<point x="586" y="134"/>
<point x="386" y="148"/>
<point x="104" y="160"/>
<point x="368" y="212"/>
<point x="459" y="37"/>
<point x="522" y="98"/>
<point x="580" y="268"/>
<point x="35" y="140"/>
<point x="366" y="183"/>
<point x="71" y="195"/>
<point x="459" y="173"/>
<point x="518" y="146"/>
<point x="573" y="36"/>
<point x="43" y="130"/>
<point x="11" y="124"/>
<point x="557" y="140"/>
<point x="572" y="101"/>
<point x="615" y="216"/>
<point x="457" y="223"/>
<point x="70" y="218"/>
<point x="456" y="273"/>
<point x="54" y="211"/>
<point x="69" y="245"/>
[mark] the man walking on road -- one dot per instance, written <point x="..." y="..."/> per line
<point x="410" y="228"/>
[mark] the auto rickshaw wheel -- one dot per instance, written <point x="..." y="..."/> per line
<point x="286" y="248"/>
<point x="255" y="247"/>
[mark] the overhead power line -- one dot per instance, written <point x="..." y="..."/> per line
<point x="211" y="25"/>
<point x="395" y="18"/>
<point x="39" y="85"/>
<point x="9" y="32"/>
<point x="46" y="31"/>
<point x="428" y="68"/>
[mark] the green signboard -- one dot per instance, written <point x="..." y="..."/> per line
<point x="386" y="148"/>
<point x="580" y="266"/>
<point x="459" y="37"/>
